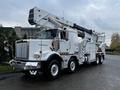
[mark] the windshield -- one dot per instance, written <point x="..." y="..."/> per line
<point x="47" y="34"/>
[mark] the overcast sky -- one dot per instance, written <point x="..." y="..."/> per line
<point x="99" y="15"/>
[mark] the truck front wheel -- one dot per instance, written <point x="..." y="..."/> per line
<point x="52" y="70"/>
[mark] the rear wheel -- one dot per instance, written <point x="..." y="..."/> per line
<point x="72" y="66"/>
<point x="86" y="61"/>
<point x="97" y="60"/>
<point x="101" y="60"/>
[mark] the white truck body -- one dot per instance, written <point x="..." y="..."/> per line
<point x="60" y="39"/>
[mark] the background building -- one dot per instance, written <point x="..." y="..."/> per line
<point x="26" y="31"/>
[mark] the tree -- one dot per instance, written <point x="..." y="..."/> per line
<point x="7" y="43"/>
<point x="115" y="41"/>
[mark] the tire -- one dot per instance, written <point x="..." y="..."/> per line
<point x="86" y="62"/>
<point x="52" y="69"/>
<point x="101" y="59"/>
<point x="97" y="60"/>
<point x="72" y="66"/>
<point x="27" y="73"/>
<point x="103" y="56"/>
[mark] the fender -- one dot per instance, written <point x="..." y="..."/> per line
<point x="48" y="54"/>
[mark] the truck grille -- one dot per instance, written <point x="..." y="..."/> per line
<point x="22" y="50"/>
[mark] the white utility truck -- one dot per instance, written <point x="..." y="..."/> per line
<point x="59" y="45"/>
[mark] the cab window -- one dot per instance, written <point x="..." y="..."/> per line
<point x="64" y="35"/>
<point x="47" y="34"/>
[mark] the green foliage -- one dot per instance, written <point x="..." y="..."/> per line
<point x="115" y="44"/>
<point x="115" y="41"/>
<point x="113" y="51"/>
<point x="9" y="35"/>
<point x="5" y="68"/>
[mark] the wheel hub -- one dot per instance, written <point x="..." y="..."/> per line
<point x="54" y="69"/>
<point x="101" y="60"/>
<point x="72" y="66"/>
<point x="97" y="61"/>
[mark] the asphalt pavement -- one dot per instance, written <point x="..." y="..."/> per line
<point x="91" y="77"/>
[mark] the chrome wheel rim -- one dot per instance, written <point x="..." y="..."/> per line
<point x="54" y="70"/>
<point x="72" y="65"/>
<point x="97" y="61"/>
<point x="101" y="60"/>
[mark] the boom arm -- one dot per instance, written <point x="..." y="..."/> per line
<point x="40" y="17"/>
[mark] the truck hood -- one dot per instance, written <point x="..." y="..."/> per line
<point x="34" y="46"/>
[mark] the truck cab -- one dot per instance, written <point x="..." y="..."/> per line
<point x="32" y="54"/>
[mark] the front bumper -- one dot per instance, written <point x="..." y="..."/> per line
<point x="25" y="65"/>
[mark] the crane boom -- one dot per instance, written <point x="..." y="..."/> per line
<point x="40" y="17"/>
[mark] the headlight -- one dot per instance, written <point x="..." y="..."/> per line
<point x="36" y="56"/>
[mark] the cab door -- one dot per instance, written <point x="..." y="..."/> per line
<point x="64" y="42"/>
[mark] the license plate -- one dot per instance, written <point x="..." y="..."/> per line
<point x="31" y="64"/>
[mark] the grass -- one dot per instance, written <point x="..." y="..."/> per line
<point x="113" y="53"/>
<point x="5" y="68"/>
